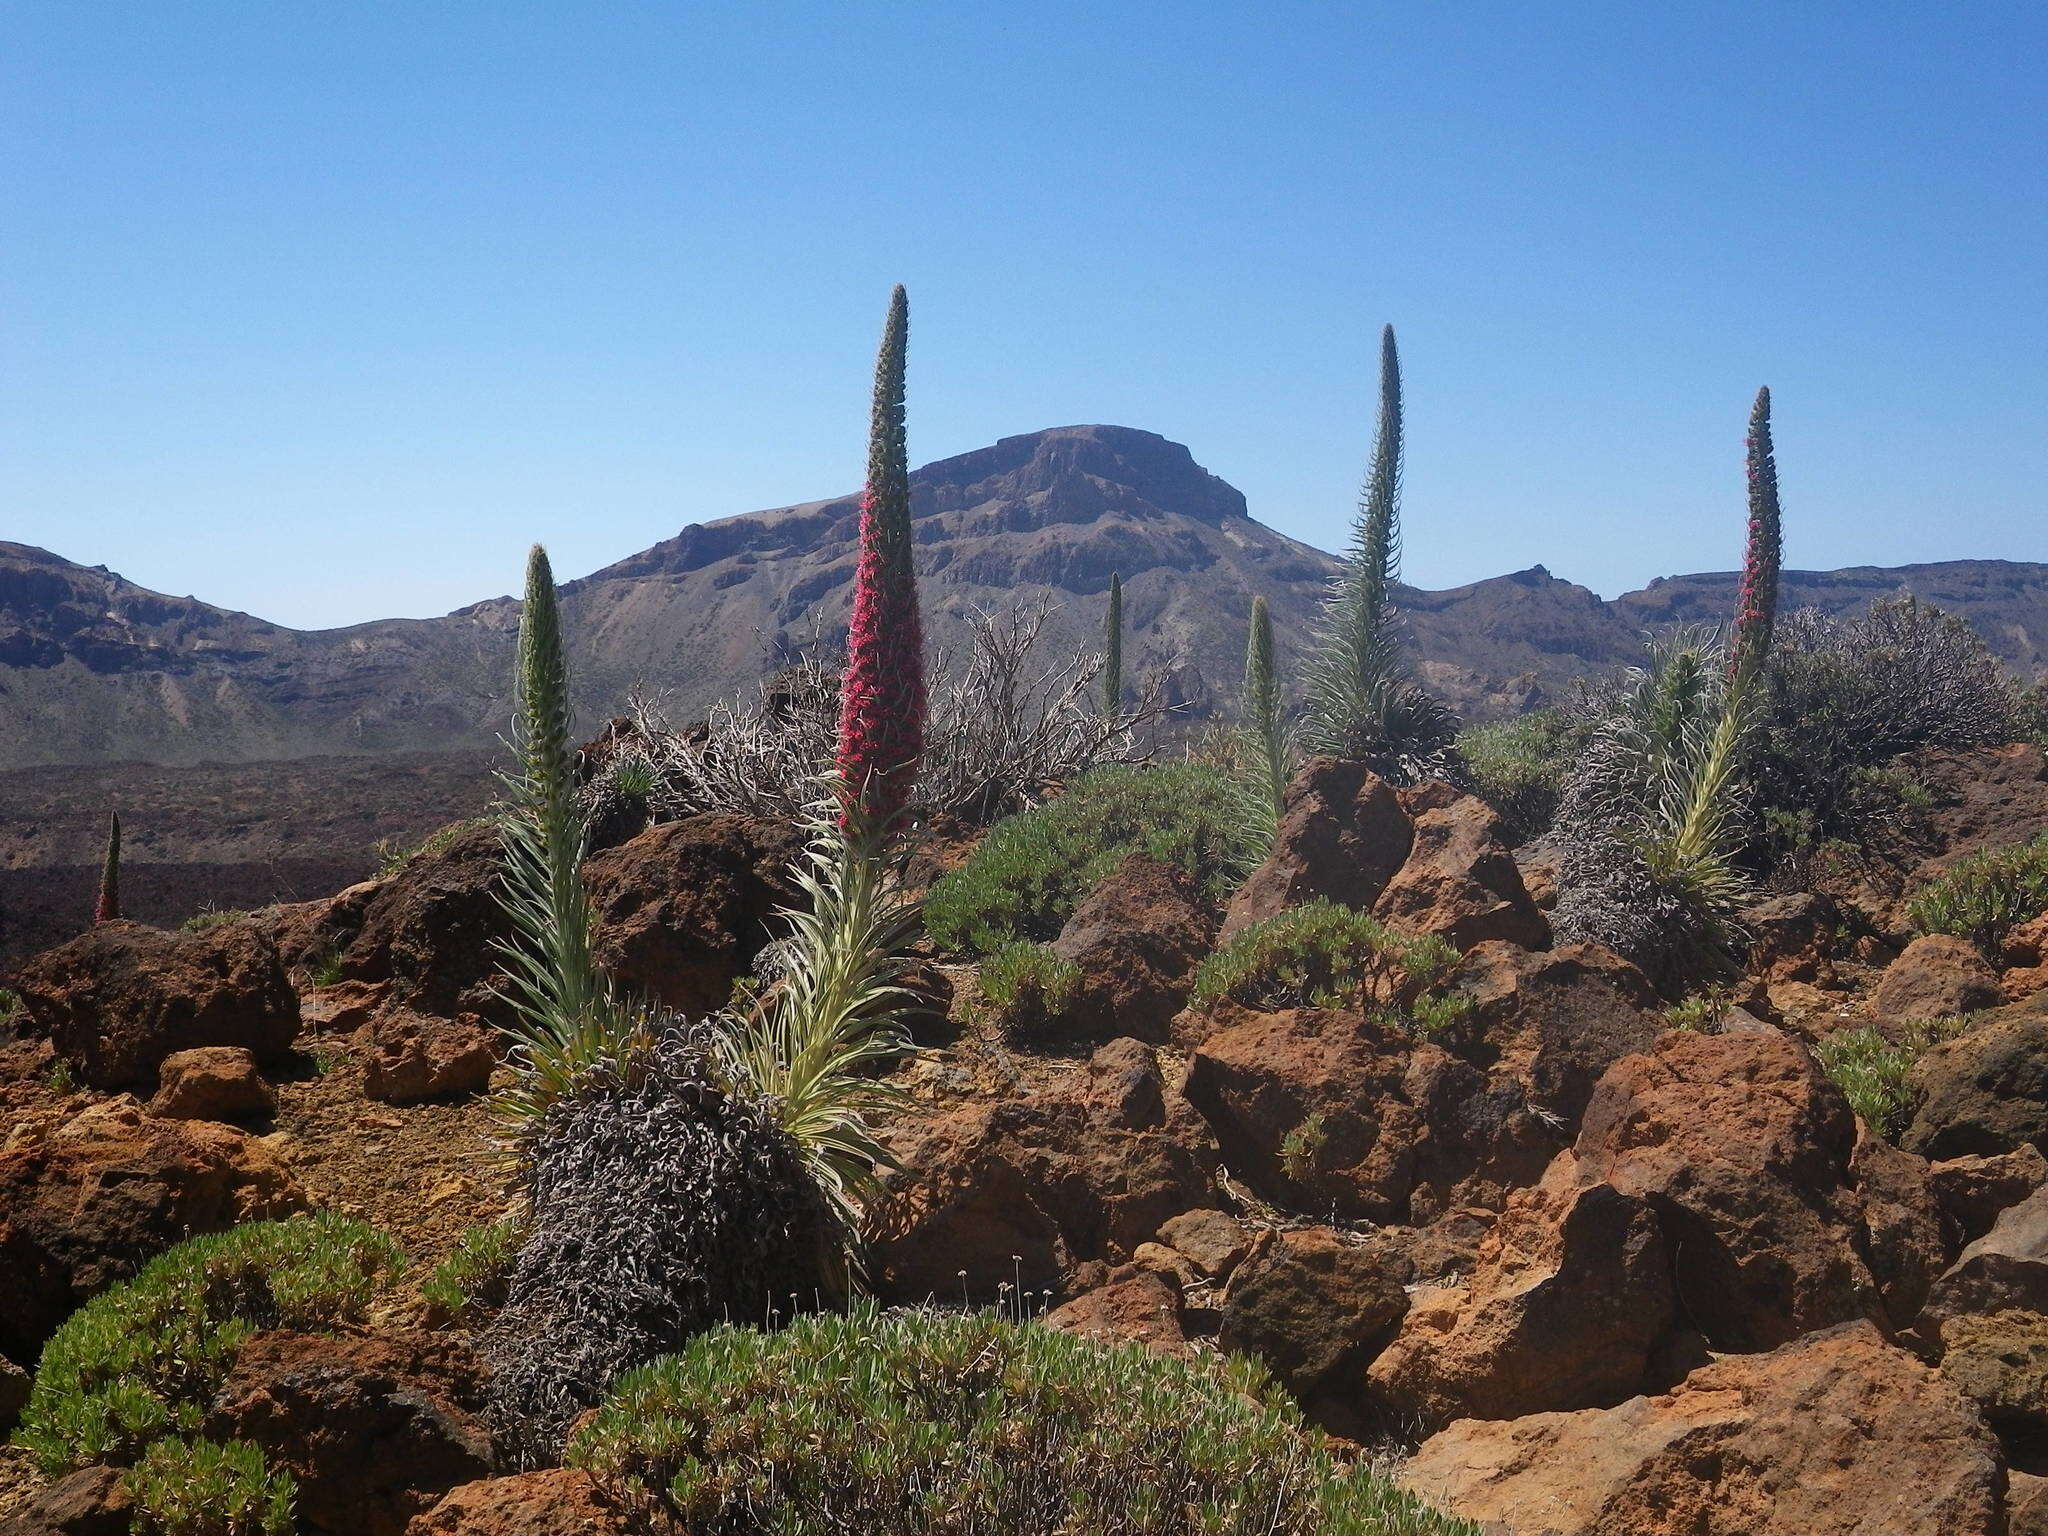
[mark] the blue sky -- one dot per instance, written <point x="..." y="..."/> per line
<point x="325" y="312"/>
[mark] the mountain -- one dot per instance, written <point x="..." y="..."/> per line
<point x="94" y="669"/>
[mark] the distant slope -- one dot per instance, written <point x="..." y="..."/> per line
<point x="94" y="669"/>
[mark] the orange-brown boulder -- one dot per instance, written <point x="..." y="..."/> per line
<point x="1331" y="1110"/>
<point x="429" y="931"/>
<point x="88" y="1204"/>
<point x="1021" y="1192"/>
<point x="1569" y="1305"/>
<point x="1460" y="882"/>
<point x="119" y="998"/>
<point x="1136" y="1306"/>
<point x="1562" y="1016"/>
<point x="1935" y="977"/>
<point x="2004" y="1270"/>
<point x="413" y="1056"/>
<point x="1316" y="1305"/>
<point x="374" y="1428"/>
<point x="1136" y="940"/>
<point x="93" y="1501"/>
<point x="212" y="1082"/>
<point x="1973" y="1191"/>
<point x="1342" y="836"/>
<point x="682" y="909"/>
<point x="1835" y="1434"/>
<point x="1743" y="1146"/>
<point x="558" y="1502"/>
<point x="1984" y="1092"/>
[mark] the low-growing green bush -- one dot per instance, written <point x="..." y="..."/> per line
<point x="199" y="1488"/>
<point x="393" y="855"/>
<point x="907" y="1422"/>
<point x="1519" y="766"/>
<point x="1025" y="987"/>
<point x="213" y="917"/>
<point x="1871" y="1069"/>
<point x="1985" y="895"/>
<point x="1322" y="955"/>
<point x="10" y="1006"/>
<point x="1032" y="870"/>
<point x="141" y="1360"/>
<point x="472" y="1279"/>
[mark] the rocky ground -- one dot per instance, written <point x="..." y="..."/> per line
<point x="1575" y="1269"/>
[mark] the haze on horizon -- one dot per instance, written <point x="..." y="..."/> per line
<point x="326" y="318"/>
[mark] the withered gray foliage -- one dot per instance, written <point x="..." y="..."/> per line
<point x="660" y="1205"/>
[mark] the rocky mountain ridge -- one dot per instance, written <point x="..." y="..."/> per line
<point x="94" y="669"/>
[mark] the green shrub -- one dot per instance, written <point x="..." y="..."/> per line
<point x="1871" y="1069"/>
<point x="1322" y="955"/>
<point x="1985" y="895"/>
<point x="141" y="1361"/>
<point x="908" y="1422"/>
<point x="2030" y="714"/>
<point x="11" y="1007"/>
<point x="472" y="1279"/>
<point x="326" y="970"/>
<point x="1032" y="870"/>
<point x="1699" y="1010"/>
<point x="392" y="855"/>
<point x="1519" y="766"/>
<point x="213" y="917"/>
<point x="1025" y="987"/>
<point x="1843" y="700"/>
<point x="197" y="1488"/>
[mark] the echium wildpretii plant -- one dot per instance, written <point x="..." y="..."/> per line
<point x="1262" y="721"/>
<point x="1653" y="824"/>
<point x="882" y="696"/>
<point x="809" y="1046"/>
<point x="1113" y="650"/>
<point x="660" y="1194"/>
<point x="1361" y="702"/>
<point x="108" y="907"/>
<point x="1756" y="604"/>
<point x="1705" y="815"/>
<point x="566" y="1016"/>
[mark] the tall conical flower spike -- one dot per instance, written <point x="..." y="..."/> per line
<point x="1113" y="650"/>
<point x="108" y="907"/>
<point x="882" y="699"/>
<point x="1756" y="607"/>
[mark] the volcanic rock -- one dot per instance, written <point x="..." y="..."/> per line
<point x="1985" y="1092"/>
<point x="1136" y="939"/>
<point x="1834" y="1434"/>
<point x="1330" y="1110"/>
<point x="93" y="1501"/>
<point x="119" y="998"/>
<point x="1569" y="1303"/>
<point x="2004" y="1270"/>
<point x="212" y="1082"/>
<point x="414" y="1056"/>
<point x="682" y="909"/>
<point x="1743" y="1146"/>
<point x="373" y="1428"/>
<point x="1021" y="1192"/>
<point x="1315" y="1305"/>
<point x="110" y="1189"/>
<point x="1936" y="977"/>
<point x="561" y="1501"/>
<point x="1972" y="1191"/>
<point x="1460" y="882"/>
<point x="1137" y="1306"/>
<point x="1342" y="836"/>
